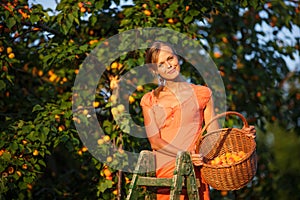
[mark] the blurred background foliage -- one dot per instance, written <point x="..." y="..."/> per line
<point x="254" y="44"/>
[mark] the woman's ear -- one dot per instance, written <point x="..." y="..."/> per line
<point x="153" y="72"/>
<point x="153" y="69"/>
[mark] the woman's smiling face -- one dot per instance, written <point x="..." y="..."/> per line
<point x="167" y="64"/>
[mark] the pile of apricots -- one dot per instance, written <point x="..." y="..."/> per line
<point x="227" y="158"/>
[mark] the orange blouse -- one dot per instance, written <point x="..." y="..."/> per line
<point x="177" y="122"/>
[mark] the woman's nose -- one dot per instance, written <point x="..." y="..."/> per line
<point x="168" y="64"/>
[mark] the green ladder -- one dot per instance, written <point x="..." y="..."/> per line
<point x="144" y="175"/>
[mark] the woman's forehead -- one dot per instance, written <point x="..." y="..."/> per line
<point x="166" y="49"/>
<point x="164" y="52"/>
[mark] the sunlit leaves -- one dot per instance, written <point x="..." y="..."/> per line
<point x="48" y="50"/>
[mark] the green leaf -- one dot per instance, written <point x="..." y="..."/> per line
<point x="37" y="167"/>
<point x="2" y="85"/>
<point x="68" y="114"/>
<point x="169" y="13"/>
<point x="34" y="18"/>
<point x="45" y="130"/>
<point x="105" y="185"/>
<point x="13" y="147"/>
<point x="194" y="13"/>
<point x="75" y="141"/>
<point x="93" y="20"/>
<point x="163" y="1"/>
<point x="70" y="20"/>
<point x="56" y="143"/>
<point x="37" y="108"/>
<point x="46" y="17"/>
<point x="244" y="3"/>
<point x="41" y="162"/>
<point x="6" y="156"/>
<point x="204" y="9"/>
<point x="254" y="3"/>
<point x="188" y="19"/>
<point x="22" y="185"/>
<point x="2" y="168"/>
<point x="31" y="136"/>
<point x="83" y="47"/>
<point x="99" y="4"/>
<point x="28" y="179"/>
<point x="10" y="22"/>
<point x="43" y="134"/>
<point x="64" y="28"/>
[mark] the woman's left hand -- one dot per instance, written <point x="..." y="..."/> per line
<point x="197" y="159"/>
<point x="251" y="131"/>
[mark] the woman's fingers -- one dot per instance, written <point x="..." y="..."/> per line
<point x="197" y="159"/>
<point x="251" y="131"/>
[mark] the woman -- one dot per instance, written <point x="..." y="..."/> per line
<point x="174" y="114"/>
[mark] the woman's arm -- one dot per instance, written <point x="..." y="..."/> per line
<point x="209" y="113"/>
<point x="159" y="144"/>
<point x="153" y="134"/>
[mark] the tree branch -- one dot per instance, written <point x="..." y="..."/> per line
<point x="44" y="27"/>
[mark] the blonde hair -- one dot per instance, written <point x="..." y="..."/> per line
<point x="152" y="57"/>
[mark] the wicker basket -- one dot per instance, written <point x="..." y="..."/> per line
<point x="233" y="176"/>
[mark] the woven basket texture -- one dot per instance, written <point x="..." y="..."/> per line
<point x="228" y="140"/>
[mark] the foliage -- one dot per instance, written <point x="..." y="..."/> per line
<point x="41" y="52"/>
<point x="282" y="148"/>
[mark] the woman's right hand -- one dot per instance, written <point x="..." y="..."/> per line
<point x="251" y="132"/>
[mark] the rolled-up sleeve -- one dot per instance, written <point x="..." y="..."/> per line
<point x="203" y="95"/>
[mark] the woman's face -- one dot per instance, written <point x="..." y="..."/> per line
<point x="167" y="64"/>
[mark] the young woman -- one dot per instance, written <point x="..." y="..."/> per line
<point x="174" y="114"/>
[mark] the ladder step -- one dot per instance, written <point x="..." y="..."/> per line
<point x="183" y="177"/>
<point x="152" y="181"/>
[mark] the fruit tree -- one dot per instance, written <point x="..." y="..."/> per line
<point x="42" y="51"/>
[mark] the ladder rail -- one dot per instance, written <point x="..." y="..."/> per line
<point x="184" y="176"/>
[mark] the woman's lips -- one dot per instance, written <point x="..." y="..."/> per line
<point x="172" y="71"/>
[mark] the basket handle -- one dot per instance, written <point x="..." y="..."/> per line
<point x="215" y="118"/>
<point x="224" y="114"/>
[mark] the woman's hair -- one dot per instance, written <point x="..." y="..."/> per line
<point x="152" y="58"/>
<point x="154" y="50"/>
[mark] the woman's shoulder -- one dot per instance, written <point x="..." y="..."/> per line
<point x="202" y="90"/>
<point x="203" y="94"/>
<point x="148" y="99"/>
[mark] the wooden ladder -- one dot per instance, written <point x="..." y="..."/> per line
<point x="144" y="175"/>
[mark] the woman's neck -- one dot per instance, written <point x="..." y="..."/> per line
<point x="180" y="88"/>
